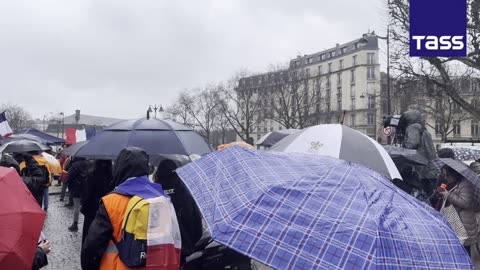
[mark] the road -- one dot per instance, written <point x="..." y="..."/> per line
<point x="65" y="244"/>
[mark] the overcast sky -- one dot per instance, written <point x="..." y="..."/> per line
<point x="114" y="58"/>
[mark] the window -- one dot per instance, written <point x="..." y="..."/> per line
<point x="340" y="64"/>
<point x="455" y="107"/>
<point x="320" y="70"/>
<point x="371" y="73"/>
<point x="370" y="58"/>
<point x="352" y="76"/>
<point x="328" y="81"/>
<point x="352" y="90"/>
<point x="371" y="102"/>
<point x="354" y="60"/>
<point x="317" y="107"/>
<point x="456" y="127"/>
<point x="339" y="79"/>
<point x="474" y="127"/>
<point x="307" y="72"/>
<point x="332" y="54"/>
<point x="297" y="63"/>
<point x="352" y="120"/>
<point x="344" y="50"/>
<point x="328" y="105"/>
<point x="280" y="128"/>
<point x="339" y="92"/>
<point x="310" y="60"/>
<point x="258" y="137"/>
<point x="370" y="119"/>
<point x="329" y="67"/>
<point x="271" y="128"/>
<point x="352" y="104"/>
<point x="438" y="128"/>
<point x="322" y="57"/>
<point x="339" y="105"/>
<point x="328" y="94"/>
<point x="438" y="104"/>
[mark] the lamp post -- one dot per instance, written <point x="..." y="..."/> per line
<point x="155" y="108"/>
<point x="63" y="125"/>
<point x="363" y="42"/>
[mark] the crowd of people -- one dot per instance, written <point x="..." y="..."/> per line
<point x="114" y="232"/>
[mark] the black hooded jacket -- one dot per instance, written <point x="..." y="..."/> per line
<point x="131" y="162"/>
<point x="188" y="214"/>
<point x="34" y="178"/>
<point x="77" y="176"/>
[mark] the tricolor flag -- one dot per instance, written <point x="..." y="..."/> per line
<point x="79" y="135"/>
<point x="5" y="129"/>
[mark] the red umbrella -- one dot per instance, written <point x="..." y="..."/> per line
<point x="21" y="222"/>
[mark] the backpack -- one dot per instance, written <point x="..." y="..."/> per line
<point x="148" y="224"/>
<point x="132" y="247"/>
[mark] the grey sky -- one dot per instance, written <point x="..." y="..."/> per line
<point x="114" y="58"/>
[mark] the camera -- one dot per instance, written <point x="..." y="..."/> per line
<point x="399" y="123"/>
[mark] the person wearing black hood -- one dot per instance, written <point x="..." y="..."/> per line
<point x="77" y="178"/>
<point x="188" y="214"/>
<point x="97" y="186"/>
<point x="130" y="173"/>
<point x="34" y="177"/>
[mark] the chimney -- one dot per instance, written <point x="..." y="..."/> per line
<point x="77" y="116"/>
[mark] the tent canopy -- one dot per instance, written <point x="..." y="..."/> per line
<point x="51" y="140"/>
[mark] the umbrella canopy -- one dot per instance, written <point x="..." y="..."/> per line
<point x="271" y="138"/>
<point x="73" y="149"/>
<point x="21" y="222"/>
<point x="461" y="168"/>
<point x="23" y="146"/>
<point x="403" y="156"/>
<point x="465" y="154"/>
<point x="54" y="164"/>
<point x="297" y="211"/>
<point x="29" y="137"/>
<point x="49" y="139"/>
<point x="156" y="137"/>
<point x="342" y="142"/>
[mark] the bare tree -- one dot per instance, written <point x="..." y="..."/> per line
<point x="240" y="104"/>
<point x="296" y="97"/>
<point x="180" y="110"/>
<point x="18" y="118"/>
<point x="203" y="108"/>
<point x="440" y="71"/>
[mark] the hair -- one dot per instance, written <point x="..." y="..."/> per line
<point x="451" y="172"/>
<point x="475" y="166"/>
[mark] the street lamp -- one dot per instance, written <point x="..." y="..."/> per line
<point x="63" y="125"/>
<point x="155" y="108"/>
<point x="363" y="42"/>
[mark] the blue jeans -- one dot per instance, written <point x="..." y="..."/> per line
<point x="45" y="198"/>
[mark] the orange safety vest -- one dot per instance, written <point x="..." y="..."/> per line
<point x="116" y="206"/>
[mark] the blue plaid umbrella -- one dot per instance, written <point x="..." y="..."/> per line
<point x="300" y="211"/>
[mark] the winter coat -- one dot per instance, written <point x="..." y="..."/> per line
<point x="130" y="162"/>
<point x="40" y="260"/>
<point x="34" y="178"/>
<point x="414" y="133"/>
<point x="77" y="177"/>
<point x="465" y="202"/>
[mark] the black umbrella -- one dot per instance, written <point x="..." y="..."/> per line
<point x="156" y="137"/>
<point x="23" y="146"/>
<point x="73" y="149"/>
<point x="462" y="153"/>
<point x="402" y="156"/>
<point x="271" y="138"/>
<point x="461" y="168"/>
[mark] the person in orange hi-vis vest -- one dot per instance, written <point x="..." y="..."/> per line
<point x="105" y="248"/>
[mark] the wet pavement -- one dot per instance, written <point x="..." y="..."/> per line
<point x="66" y="245"/>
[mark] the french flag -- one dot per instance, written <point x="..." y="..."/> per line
<point x="79" y="135"/>
<point x="5" y="130"/>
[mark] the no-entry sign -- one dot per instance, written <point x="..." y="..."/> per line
<point x="387" y="131"/>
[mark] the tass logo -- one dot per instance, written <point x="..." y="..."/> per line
<point x="438" y="28"/>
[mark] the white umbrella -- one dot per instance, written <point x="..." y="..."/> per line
<point x="341" y="142"/>
<point x="273" y="137"/>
